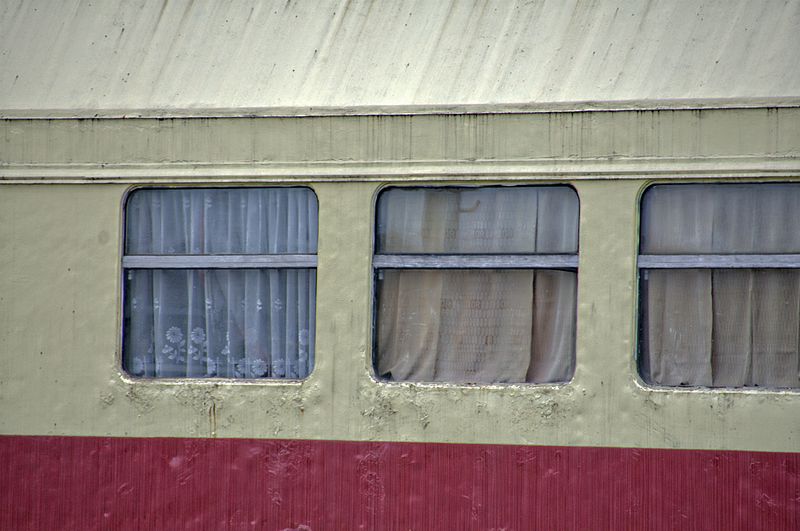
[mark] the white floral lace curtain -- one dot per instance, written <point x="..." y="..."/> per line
<point x="477" y="325"/>
<point x="231" y="323"/>
<point x="721" y="327"/>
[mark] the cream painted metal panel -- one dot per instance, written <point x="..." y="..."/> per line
<point x="575" y="145"/>
<point x="62" y="185"/>
<point x="82" y="57"/>
<point x="59" y="330"/>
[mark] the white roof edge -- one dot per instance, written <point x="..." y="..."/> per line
<point x="403" y="110"/>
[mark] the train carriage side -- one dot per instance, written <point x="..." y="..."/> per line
<point x="366" y="309"/>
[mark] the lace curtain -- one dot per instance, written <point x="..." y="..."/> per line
<point x="721" y="327"/>
<point x="477" y="325"/>
<point x="231" y="323"/>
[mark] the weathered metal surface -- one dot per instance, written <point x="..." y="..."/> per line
<point x="88" y="483"/>
<point x="228" y="261"/>
<point x="712" y="261"/>
<point x="419" y="261"/>
<point x="83" y="57"/>
<point x="60" y="269"/>
<point x="577" y="145"/>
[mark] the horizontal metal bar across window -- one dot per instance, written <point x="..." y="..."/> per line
<point x="232" y="261"/>
<point x="475" y="261"/>
<point x="718" y="261"/>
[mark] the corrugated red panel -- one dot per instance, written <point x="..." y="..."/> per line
<point x="110" y="483"/>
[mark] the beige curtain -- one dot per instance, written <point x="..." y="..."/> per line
<point x="482" y="325"/>
<point x="721" y="327"/>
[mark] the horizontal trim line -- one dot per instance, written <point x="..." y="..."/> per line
<point x="534" y="169"/>
<point x="475" y="261"/>
<point x="721" y="261"/>
<point x="228" y="261"/>
<point x="610" y="105"/>
<point x="523" y="174"/>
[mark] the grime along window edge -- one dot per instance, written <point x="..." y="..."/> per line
<point x="220" y="283"/>
<point x="476" y="285"/>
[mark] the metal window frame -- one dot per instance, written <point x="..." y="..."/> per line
<point x="700" y="262"/>
<point x="460" y="262"/>
<point x="444" y="260"/>
<point x="447" y="262"/>
<point x="155" y="262"/>
<point x="476" y="261"/>
<point x="719" y="261"/>
<point x="232" y="261"/>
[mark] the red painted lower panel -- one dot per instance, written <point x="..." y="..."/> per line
<point x="110" y="483"/>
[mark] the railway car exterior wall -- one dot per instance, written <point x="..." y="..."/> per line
<point x="63" y="184"/>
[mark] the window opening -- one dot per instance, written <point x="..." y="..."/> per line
<point x="720" y="285"/>
<point x="220" y="283"/>
<point x="476" y="285"/>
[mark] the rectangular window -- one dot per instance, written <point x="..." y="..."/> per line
<point x="220" y="283"/>
<point x="720" y="285"/>
<point x="476" y="285"/>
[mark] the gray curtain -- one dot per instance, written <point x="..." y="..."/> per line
<point x="481" y="325"/>
<point x="721" y="327"/>
<point x="235" y="323"/>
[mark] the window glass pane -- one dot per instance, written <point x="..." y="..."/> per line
<point x="490" y="220"/>
<point x="476" y="326"/>
<point x="221" y="221"/>
<point x="720" y="327"/>
<point x="721" y="219"/>
<point x="240" y="323"/>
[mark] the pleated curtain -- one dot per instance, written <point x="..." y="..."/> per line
<point x="230" y="323"/>
<point x="721" y="327"/>
<point x="477" y="325"/>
